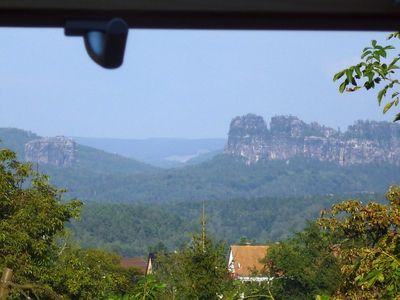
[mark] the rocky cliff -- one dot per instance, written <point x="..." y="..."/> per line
<point x="58" y="151"/>
<point x="287" y="136"/>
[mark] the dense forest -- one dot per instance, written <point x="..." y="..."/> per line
<point x="225" y="177"/>
<point x="136" y="229"/>
<point x="263" y="202"/>
<point x="89" y="161"/>
<point x="104" y="177"/>
<point x="349" y="252"/>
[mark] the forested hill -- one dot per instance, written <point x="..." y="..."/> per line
<point x="93" y="175"/>
<point x="82" y="161"/>
<point x="134" y="229"/>
<point x="16" y="139"/>
<point x="225" y="177"/>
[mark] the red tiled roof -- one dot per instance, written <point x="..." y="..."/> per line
<point x="247" y="258"/>
<point x="137" y="262"/>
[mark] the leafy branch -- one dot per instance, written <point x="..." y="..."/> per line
<point x="374" y="69"/>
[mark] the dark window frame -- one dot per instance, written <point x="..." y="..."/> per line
<point x="377" y="15"/>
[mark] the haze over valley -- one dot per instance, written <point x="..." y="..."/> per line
<point x="287" y="166"/>
<point x="213" y="164"/>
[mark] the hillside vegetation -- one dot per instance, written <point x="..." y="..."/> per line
<point x="104" y="177"/>
<point x="89" y="161"/>
<point x="15" y="139"/>
<point x="225" y="177"/>
<point x="134" y="229"/>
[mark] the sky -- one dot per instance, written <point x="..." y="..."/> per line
<point x="178" y="83"/>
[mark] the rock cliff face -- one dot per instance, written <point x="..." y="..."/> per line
<point x="287" y="136"/>
<point x="58" y="151"/>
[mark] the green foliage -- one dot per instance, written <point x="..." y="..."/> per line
<point x="91" y="274"/>
<point x="33" y="244"/>
<point x="369" y="248"/>
<point x="197" y="271"/>
<point x="149" y="288"/>
<point x="31" y="220"/>
<point x="110" y="226"/>
<point x="100" y="162"/>
<point x="303" y="266"/>
<point x="205" y="265"/>
<point x="101" y="176"/>
<point x="322" y="297"/>
<point x="15" y="139"/>
<point x="225" y="177"/>
<point x="374" y="69"/>
<point x="248" y="290"/>
<point x="130" y="230"/>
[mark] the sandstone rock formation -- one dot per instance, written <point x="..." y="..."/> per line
<point x="288" y="136"/>
<point x="58" y="151"/>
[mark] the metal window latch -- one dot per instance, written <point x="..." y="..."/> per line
<point x="105" y="41"/>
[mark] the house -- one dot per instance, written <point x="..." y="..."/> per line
<point x="134" y="262"/>
<point x="150" y="263"/>
<point x="244" y="262"/>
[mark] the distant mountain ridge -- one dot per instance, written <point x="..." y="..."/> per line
<point x="96" y="175"/>
<point x="16" y="140"/>
<point x="287" y="136"/>
<point x="60" y="154"/>
<point x="130" y="206"/>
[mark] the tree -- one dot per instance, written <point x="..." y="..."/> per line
<point x="197" y="271"/>
<point x="92" y="274"/>
<point x="304" y="265"/>
<point x="148" y="288"/>
<point x="368" y="248"/>
<point x="239" y="290"/>
<point x="375" y="68"/>
<point x="204" y="264"/>
<point x="33" y="241"/>
<point x="32" y="218"/>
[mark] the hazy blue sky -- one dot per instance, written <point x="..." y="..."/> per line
<point x="177" y="83"/>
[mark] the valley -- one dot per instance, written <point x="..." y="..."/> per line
<point x="251" y="189"/>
